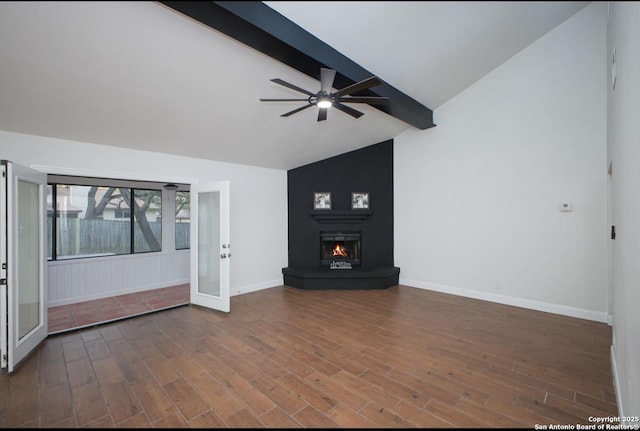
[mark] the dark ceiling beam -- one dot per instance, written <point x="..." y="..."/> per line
<point x="262" y="28"/>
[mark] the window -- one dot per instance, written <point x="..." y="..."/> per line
<point x="147" y="233"/>
<point x="122" y="213"/>
<point x="85" y="221"/>
<point x="89" y="217"/>
<point x="183" y="218"/>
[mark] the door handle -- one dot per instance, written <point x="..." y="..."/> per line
<point x="223" y="255"/>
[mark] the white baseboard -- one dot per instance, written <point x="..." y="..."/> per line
<point x="510" y="300"/>
<point x="616" y="382"/>
<point x="239" y="290"/>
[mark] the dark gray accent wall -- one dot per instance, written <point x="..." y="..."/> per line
<point x="369" y="169"/>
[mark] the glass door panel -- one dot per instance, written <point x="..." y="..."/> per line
<point x="208" y="243"/>
<point x="28" y="244"/>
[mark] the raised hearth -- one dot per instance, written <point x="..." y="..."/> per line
<point x="326" y="279"/>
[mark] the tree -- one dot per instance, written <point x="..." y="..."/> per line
<point x="141" y="202"/>
<point x="183" y="199"/>
<point x="95" y="210"/>
<point x="143" y="199"/>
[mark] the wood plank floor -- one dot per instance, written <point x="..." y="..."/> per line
<point x="398" y="357"/>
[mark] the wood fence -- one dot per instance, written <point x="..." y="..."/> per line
<point x="79" y="237"/>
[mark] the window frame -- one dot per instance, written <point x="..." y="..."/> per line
<point x="54" y="181"/>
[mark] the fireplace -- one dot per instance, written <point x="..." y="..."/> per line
<point x="342" y="247"/>
<point x="340" y="250"/>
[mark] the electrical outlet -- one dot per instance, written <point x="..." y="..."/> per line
<point x="566" y="206"/>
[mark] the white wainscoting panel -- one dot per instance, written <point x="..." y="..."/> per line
<point x="78" y="280"/>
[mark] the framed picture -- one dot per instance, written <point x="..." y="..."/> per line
<point x="322" y="201"/>
<point x="360" y="201"/>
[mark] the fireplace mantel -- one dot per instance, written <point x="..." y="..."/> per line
<point x="340" y="216"/>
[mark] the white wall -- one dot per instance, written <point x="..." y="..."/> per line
<point x="258" y="217"/>
<point x="624" y="153"/>
<point x="477" y="197"/>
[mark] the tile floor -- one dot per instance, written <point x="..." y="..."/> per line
<point x="83" y="314"/>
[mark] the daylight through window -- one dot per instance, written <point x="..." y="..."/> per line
<point x="183" y="218"/>
<point x="87" y="220"/>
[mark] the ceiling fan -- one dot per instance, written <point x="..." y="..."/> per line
<point x="325" y="99"/>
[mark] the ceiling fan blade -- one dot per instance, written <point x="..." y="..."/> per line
<point x="291" y="86"/>
<point x="364" y="99"/>
<point x="284" y="100"/>
<point x="348" y="110"/>
<point x="322" y="114"/>
<point x="296" y="110"/>
<point x="367" y="83"/>
<point x="326" y="79"/>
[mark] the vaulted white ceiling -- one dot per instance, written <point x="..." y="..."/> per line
<point x="140" y="75"/>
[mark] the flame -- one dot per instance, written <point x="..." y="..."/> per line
<point x="338" y="250"/>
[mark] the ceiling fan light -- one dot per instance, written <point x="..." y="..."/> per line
<point x="324" y="102"/>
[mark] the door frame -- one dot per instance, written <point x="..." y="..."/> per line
<point x="222" y="253"/>
<point x="14" y="347"/>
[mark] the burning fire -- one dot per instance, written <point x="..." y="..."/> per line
<point x="339" y="250"/>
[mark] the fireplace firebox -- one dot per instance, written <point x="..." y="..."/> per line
<point x="340" y="250"/>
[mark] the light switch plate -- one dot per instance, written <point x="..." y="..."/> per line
<point x="566" y="206"/>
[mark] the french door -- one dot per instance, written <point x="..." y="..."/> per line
<point x="210" y="247"/>
<point x="23" y="255"/>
